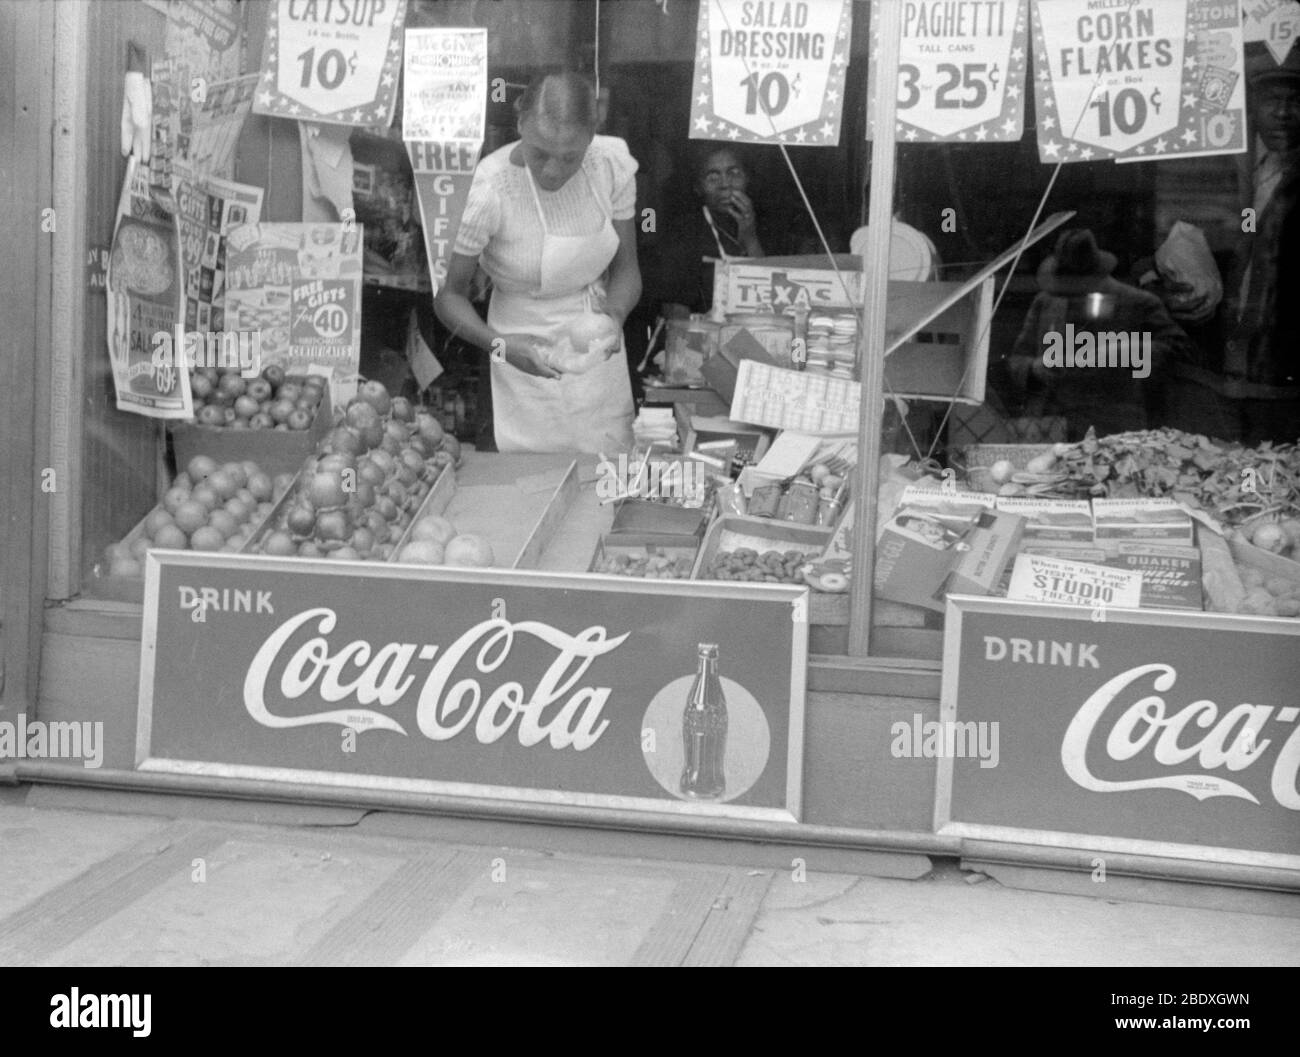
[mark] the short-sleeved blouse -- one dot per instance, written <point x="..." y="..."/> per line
<point x="500" y="224"/>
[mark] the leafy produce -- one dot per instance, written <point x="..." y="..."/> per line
<point x="1255" y="489"/>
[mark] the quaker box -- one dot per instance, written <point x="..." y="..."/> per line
<point x="276" y="451"/>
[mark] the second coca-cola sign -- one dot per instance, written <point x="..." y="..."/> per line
<point x="526" y="686"/>
<point x="1159" y="732"/>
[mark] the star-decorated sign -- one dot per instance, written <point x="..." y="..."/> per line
<point x="318" y="68"/>
<point x="771" y="72"/>
<point x="1276" y="23"/>
<point x="1162" y="79"/>
<point x="961" y="71"/>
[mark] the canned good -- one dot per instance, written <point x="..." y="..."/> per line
<point x="766" y="501"/>
<point x="689" y="345"/>
<point x="802" y="502"/>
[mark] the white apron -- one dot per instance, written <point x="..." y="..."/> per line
<point x="589" y="412"/>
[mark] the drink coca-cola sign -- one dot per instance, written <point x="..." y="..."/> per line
<point x="1170" y="733"/>
<point x="527" y="686"/>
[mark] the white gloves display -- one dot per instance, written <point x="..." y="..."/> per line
<point x="137" y="116"/>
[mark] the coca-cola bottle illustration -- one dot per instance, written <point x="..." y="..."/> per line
<point x="704" y="731"/>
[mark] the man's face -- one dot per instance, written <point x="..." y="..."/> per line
<point x="723" y="174"/>
<point x="1277" y="114"/>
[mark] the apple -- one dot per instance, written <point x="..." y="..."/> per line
<point x="377" y="525"/>
<point x="368" y="470"/>
<point x="259" y="389"/>
<point x="301" y="520"/>
<point x="469" y="550"/>
<point x="281" y="484"/>
<point x="281" y="410"/>
<point x="262" y="420"/>
<point x="232" y="385"/>
<point x="125" y="566"/>
<point x="139" y="548"/>
<point x="402" y="410"/>
<point x="452" y="447"/>
<point x="308" y="549"/>
<point x="363" y="540"/>
<point x="246" y="407"/>
<point x="238" y="509"/>
<point x="169" y="537"/>
<point x="211" y="415"/>
<point x="223" y="522"/>
<point x="326" y="490"/>
<point x="299" y="419"/>
<point x="385" y="460"/>
<point x="174" y="498"/>
<point x="207" y="538"/>
<point x="422" y="552"/>
<point x="360" y="414"/>
<point x="261" y="486"/>
<point x="372" y="436"/>
<point x="279" y="544"/>
<point x="224" y="484"/>
<point x="430" y="428"/>
<point x="290" y="391"/>
<point x="342" y="439"/>
<point x="274" y="374"/>
<point x="374" y="394"/>
<point x="207" y="496"/>
<point x="386" y="508"/>
<point x="190" y="516"/>
<point x="333" y="525"/>
<point x="200" y="387"/>
<point x="344" y="554"/>
<point x="336" y="461"/>
<point x="433" y="527"/>
<point x="229" y="414"/>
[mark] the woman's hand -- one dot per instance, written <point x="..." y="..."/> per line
<point x="524" y="353"/>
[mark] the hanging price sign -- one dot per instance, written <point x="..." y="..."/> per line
<point x="961" y="72"/>
<point x="332" y="62"/>
<point x="1145" y="80"/>
<point x="771" y="72"/>
<point x="1275" y="22"/>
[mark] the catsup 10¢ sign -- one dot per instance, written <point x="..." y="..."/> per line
<point x="332" y="61"/>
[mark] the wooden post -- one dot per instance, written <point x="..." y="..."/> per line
<point x="866" y="478"/>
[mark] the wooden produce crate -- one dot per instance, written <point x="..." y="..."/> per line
<point x="978" y="459"/>
<point x="638" y="546"/>
<point x="275" y="451"/>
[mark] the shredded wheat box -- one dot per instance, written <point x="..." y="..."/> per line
<point x="1067" y="520"/>
<point x="1141" y="521"/>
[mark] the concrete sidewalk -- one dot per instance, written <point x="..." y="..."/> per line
<point x="191" y="882"/>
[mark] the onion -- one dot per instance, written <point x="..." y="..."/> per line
<point x="1001" y="471"/>
<point x="1270" y="537"/>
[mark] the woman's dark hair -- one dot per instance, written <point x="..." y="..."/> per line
<point x="563" y="98"/>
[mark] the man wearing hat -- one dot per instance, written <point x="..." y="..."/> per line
<point x="1080" y="305"/>
<point x="1253" y="392"/>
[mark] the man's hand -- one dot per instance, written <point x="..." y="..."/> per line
<point x="741" y="207"/>
<point x="524" y="353"/>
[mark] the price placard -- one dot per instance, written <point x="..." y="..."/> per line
<point x="1147" y="80"/>
<point x="1040" y="579"/>
<point x="332" y="62"/>
<point x="1275" y="22"/>
<point x="961" y="72"/>
<point x="771" y="72"/>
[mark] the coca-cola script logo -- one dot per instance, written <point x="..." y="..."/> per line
<point x="1233" y="740"/>
<point x="355" y="672"/>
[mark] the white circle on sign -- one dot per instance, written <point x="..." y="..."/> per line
<point x="330" y="321"/>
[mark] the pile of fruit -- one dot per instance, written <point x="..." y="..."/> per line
<point x="226" y="399"/>
<point x="433" y="540"/>
<point x="647" y="566"/>
<point x="208" y="508"/>
<point x="1268" y="596"/>
<point x="745" y="563"/>
<point x="368" y="477"/>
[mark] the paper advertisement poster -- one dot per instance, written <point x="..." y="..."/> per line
<point x="217" y="122"/>
<point x="1152" y="79"/>
<point x="443" y="174"/>
<point x="332" y="62"/>
<point x="781" y="399"/>
<point x="771" y="72"/>
<point x="299" y="286"/>
<point x="203" y="36"/>
<point x="208" y="210"/>
<point x="444" y="85"/>
<point x="145" y="294"/>
<point x="1037" y="579"/>
<point x="961" y="72"/>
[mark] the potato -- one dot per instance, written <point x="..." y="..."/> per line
<point x="1251" y="577"/>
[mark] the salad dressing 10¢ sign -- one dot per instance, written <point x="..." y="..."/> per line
<point x="771" y="71"/>
<point x="332" y="61"/>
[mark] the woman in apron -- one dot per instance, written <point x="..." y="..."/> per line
<point x="551" y="220"/>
